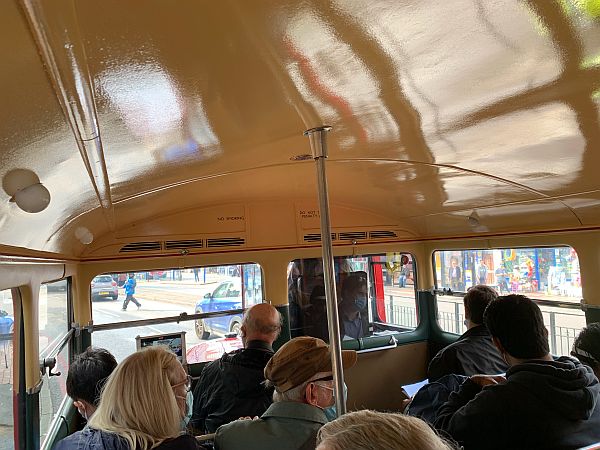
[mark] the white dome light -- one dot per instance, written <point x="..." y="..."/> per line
<point x="84" y="235"/>
<point x="33" y="198"/>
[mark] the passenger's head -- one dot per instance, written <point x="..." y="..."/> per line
<point x="476" y="300"/>
<point x="86" y="376"/>
<point x="144" y="400"/>
<point x="261" y="322"/>
<point x="586" y="347"/>
<point x="354" y="285"/>
<point x="131" y="275"/>
<point x="372" y="430"/>
<point x="517" y="327"/>
<point x="301" y="372"/>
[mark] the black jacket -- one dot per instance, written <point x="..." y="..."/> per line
<point x="473" y="353"/>
<point x="92" y="439"/>
<point x="542" y="405"/>
<point x="231" y="387"/>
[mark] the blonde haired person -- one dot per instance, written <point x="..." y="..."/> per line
<point x="372" y="430"/>
<point x="145" y="405"/>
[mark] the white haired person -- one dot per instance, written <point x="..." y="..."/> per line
<point x="145" y="404"/>
<point x="373" y="430"/>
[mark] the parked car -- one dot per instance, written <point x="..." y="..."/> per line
<point x="226" y="296"/>
<point x="104" y="286"/>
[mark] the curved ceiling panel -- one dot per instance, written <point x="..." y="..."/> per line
<point x="125" y="111"/>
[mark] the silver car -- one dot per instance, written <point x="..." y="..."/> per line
<point x="104" y="286"/>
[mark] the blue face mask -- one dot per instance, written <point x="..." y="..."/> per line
<point x="331" y="411"/>
<point x="189" y="402"/>
<point x="360" y="302"/>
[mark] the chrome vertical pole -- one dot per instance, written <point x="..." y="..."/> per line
<point x="318" y="145"/>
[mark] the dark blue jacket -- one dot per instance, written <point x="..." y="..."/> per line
<point x="232" y="387"/>
<point x="92" y="439"/>
<point x="473" y="353"/>
<point x="542" y="405"/>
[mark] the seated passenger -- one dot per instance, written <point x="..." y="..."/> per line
<point x="315" y="315"/>
<point x="541" y="404"/>
<point x="232" y="386"/>
<point x="301" y="373"/>
<point x="353" y="312"/>
<point x="586" y="347"/>
<point x="145" y="405"/>
<point x="474" y="351"/>
<point x="372" y="430"/>
<point x="86" y="377"/>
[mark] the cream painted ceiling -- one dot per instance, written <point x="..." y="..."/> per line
<point x="129" y="110"/>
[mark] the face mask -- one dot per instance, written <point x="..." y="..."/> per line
<point x="360" y="302"/>
<point x="331" y="411"/>
<point x="189" y="402"/>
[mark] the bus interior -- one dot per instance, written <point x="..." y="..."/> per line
<point x="164" y="141"/>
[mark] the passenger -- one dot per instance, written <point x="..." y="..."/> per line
<point x="586" y="347"/>
<point x="354" y="318"/>
<point x="86" y="377"/>
<point x="541" y="404"/>
<point x="301" y="373"/>
<point x="145" y="405"/>
<point x="473" y="352"/>
<point x="232" y="386"/>
<point x="315" y="315"/>
<point x="372" y="430"/>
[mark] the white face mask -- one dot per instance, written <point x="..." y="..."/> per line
<point x="189" y="402"/>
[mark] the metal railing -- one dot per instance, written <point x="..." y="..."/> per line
<point x="561" y="338"/>
<point x="402" y="315"/>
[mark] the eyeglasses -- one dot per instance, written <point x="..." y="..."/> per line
<point x="580" y="353"/>
<point x="329" y="388"/>
<point x="319" y="381"/>
<point x="187" y="382"/>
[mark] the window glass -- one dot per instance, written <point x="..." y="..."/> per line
<point x="6" y="371"/>
<point x="53" y="324"/>
<point x="539" y="273"/>
<point x="375" y="293"/>
<point x="169" y="293"/>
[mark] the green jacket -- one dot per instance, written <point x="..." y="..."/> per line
<point x="283" y="426"/>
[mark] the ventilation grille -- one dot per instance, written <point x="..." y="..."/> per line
<point x="382" y="234"/>
<point x="190" y="243"/>
<point x="352" y="235"/>
<point x="225" y="242"/>
<point x="316" y="237"/>
<point x="140" y="247"/>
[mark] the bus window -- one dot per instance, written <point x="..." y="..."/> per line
<point x="6" y="370"/>
<point x="164" y="293"/>
<point x="376" y="294"/>
<point x="549" y="275"/>
<point x="53" y="324"/>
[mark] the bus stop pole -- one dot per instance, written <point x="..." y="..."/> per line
<point x="318" y="145"/>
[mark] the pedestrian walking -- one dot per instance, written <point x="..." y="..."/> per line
<point x="129" y="291"/>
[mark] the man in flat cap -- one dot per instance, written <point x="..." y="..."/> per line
<point x="302" y="376"/>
